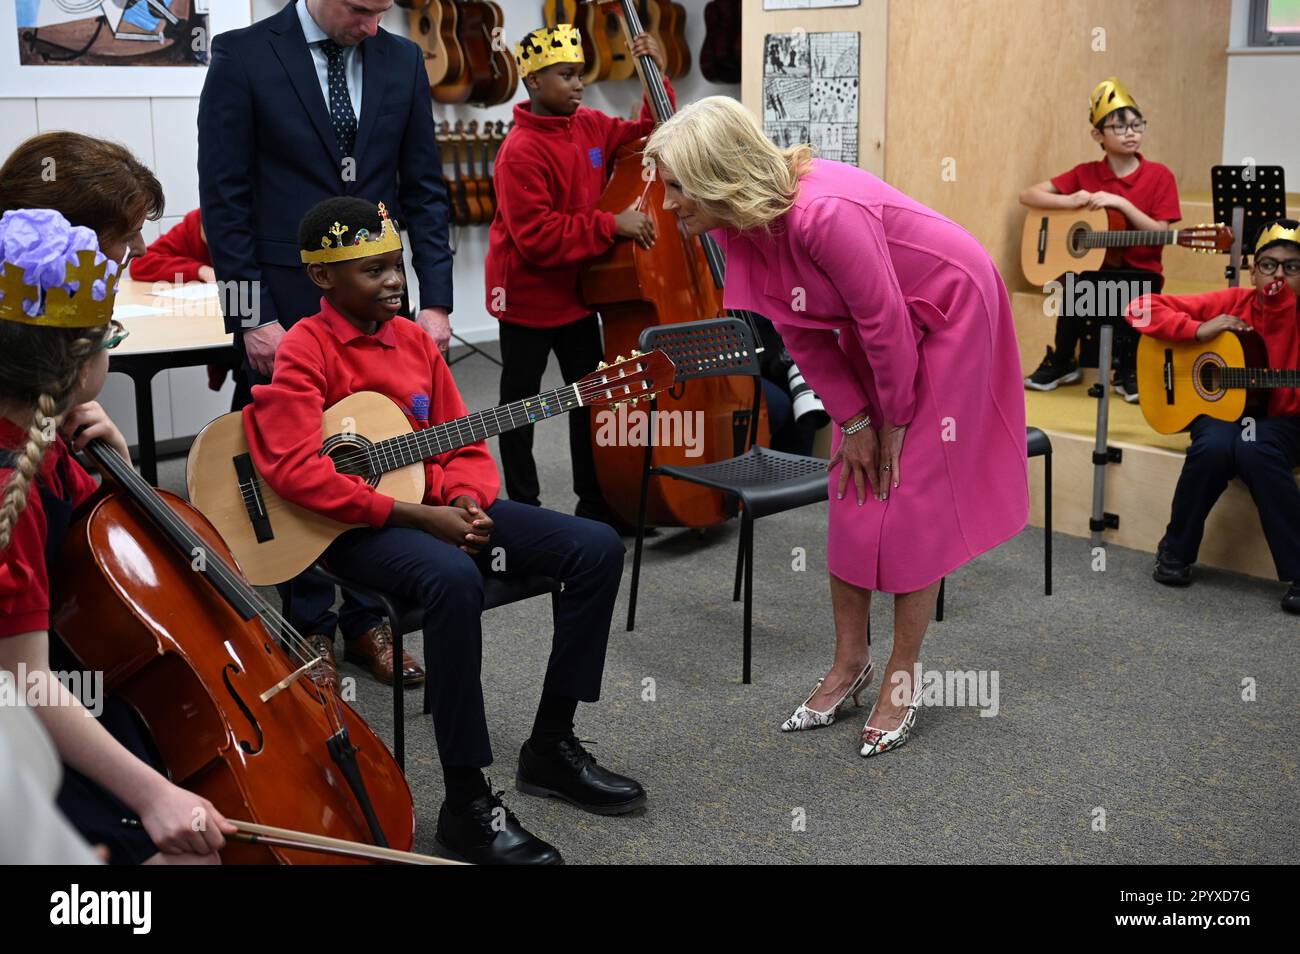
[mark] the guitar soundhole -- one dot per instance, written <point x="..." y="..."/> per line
<point x="1078" y="232"/>
<point x="1207" y="376"/>
<point x="351" y="455"/>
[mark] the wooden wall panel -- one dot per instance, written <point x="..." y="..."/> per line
<point x="1002" y="86"/>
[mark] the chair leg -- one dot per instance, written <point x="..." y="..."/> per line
<point x="1047" y="524"/>
<point x="740" y="567"/>
<point x="938" y="606"/>
<point x="747" y="548"/>
<point x="636" y="553"/>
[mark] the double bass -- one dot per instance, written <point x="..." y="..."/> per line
<point x="154" y="601"/>
<point x="679" y="279"/>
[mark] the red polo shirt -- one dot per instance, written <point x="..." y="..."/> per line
<point x="322" y="360"/>
<point x="24" y="582"/>
<point x="1150" y="187"/>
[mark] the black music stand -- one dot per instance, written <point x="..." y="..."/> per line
<point x="1246" y="197"/>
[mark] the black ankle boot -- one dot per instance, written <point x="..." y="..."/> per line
<point x="1170" y="570"/>
<point x="485" y="832"/>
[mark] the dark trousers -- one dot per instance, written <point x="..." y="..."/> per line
<point x="1217" y="454"/>
<point x="1072" y="329"/>
<point x="524" y="354"/>
<point x="309" y="598"/>
<point x="587" y="556"/>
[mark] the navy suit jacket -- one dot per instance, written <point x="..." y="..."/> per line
<point x="267" y="154"/>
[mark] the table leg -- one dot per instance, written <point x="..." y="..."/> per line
<point x="145" y="438"/>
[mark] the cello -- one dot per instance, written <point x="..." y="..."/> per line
<point x="155" y="603"/>
<point x="679" y="279"/>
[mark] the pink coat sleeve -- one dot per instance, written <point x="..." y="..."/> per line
<point x="847" y="241"/>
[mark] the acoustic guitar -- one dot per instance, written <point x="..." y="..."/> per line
<point x="368" y="435"/>
<point x="1056" y="241"/>
<point x="1224" y="377"/>
<point x="433" y="26"/>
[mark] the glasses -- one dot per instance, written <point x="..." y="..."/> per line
<point x="1270" y="265"/>
<point x="116" y="335"/>
<point x="1137" y="126"/>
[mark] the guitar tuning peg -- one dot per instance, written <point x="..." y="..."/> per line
<point x="634" y="353"/>
<point x="602" y="366"/>
<point x="620" y="359"/>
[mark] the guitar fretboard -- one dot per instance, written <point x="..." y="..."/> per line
<point x="1122" y="239"/>
<point x="406" y="449"/>
<point x="1260" y="378"/>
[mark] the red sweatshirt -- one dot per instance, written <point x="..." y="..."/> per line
<point x="179" y="251"/>
<point x="322" y="360"/>
<point x="1275" y="317"/>
<point x="550" y="173"/>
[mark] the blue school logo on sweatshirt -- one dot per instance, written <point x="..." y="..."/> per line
<point x="420" y="407"/>
<point x="597" y="157"/>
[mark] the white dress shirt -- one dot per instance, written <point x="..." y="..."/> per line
<point x="351" y="60"/>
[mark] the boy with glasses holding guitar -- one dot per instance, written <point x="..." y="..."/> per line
<point x="1254" y="335"/>
<point x="1145" y="193"/>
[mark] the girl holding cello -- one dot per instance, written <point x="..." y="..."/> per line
<point x="53" y="361"/>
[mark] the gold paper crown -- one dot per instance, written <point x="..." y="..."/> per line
<point x="1109" y="96"/>
<point x="1276" y="232"/>
<point x="62" y="310"/>
<point x="334" y="248"/>
<point x="547" y="45"/>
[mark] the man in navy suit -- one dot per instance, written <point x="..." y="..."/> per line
<point x="313" y="102"/>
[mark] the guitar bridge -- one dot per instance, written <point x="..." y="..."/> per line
<point x="1042" y="240"/>
<point x="250" y="490"/>
<point x="1167" y="372"/>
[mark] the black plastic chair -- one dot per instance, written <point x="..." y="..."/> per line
<point x="405" y="618"/>
<point x="764" y="481"/>
<point x="1038" y="445"/>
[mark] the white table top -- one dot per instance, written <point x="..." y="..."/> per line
<point x="160" y="324"/>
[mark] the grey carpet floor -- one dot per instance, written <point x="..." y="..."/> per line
<point x="1121" y="735"/>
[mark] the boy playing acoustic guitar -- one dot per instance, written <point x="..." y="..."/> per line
<point x="435" y="553"/>
<point x="1264" y="455"/>
<point x="1146" y="194"/>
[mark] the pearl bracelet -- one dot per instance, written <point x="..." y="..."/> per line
<point x="852" y="429"/>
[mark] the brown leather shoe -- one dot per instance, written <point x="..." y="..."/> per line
<point x="324" y="673"/>
<point x="374" y="649"/>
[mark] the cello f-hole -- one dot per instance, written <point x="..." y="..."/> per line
<point x="248" y="714"/>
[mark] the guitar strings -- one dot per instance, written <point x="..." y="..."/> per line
<point x="253" y="494"/>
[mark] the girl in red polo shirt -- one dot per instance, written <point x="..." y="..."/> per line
<point x="1263" y="456"/>
<point x="549" y="174"/>
<point x="51" y="368"/>
<point x="1146" y="193"/>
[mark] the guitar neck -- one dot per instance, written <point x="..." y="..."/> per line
<point x="406" y="449"/>
<point x="1126" y="237"/>
<point x="1251" y="378"/>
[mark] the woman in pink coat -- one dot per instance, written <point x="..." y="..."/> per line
<point x="900" y="323"/>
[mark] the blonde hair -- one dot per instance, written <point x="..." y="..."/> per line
<point x="727" y="164"/>
<point x="39" y="368"/>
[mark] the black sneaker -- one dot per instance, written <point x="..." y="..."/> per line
<point x="485" y="832"/>
<point x="1126" y="385"/>
<point x="1170" y="570"/>
<point x="570" y="772"/>
<point x="1053" y="373"/>
<point x="1291" y="602"/>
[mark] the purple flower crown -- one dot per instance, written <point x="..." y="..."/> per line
<point x="45" y="246"/>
